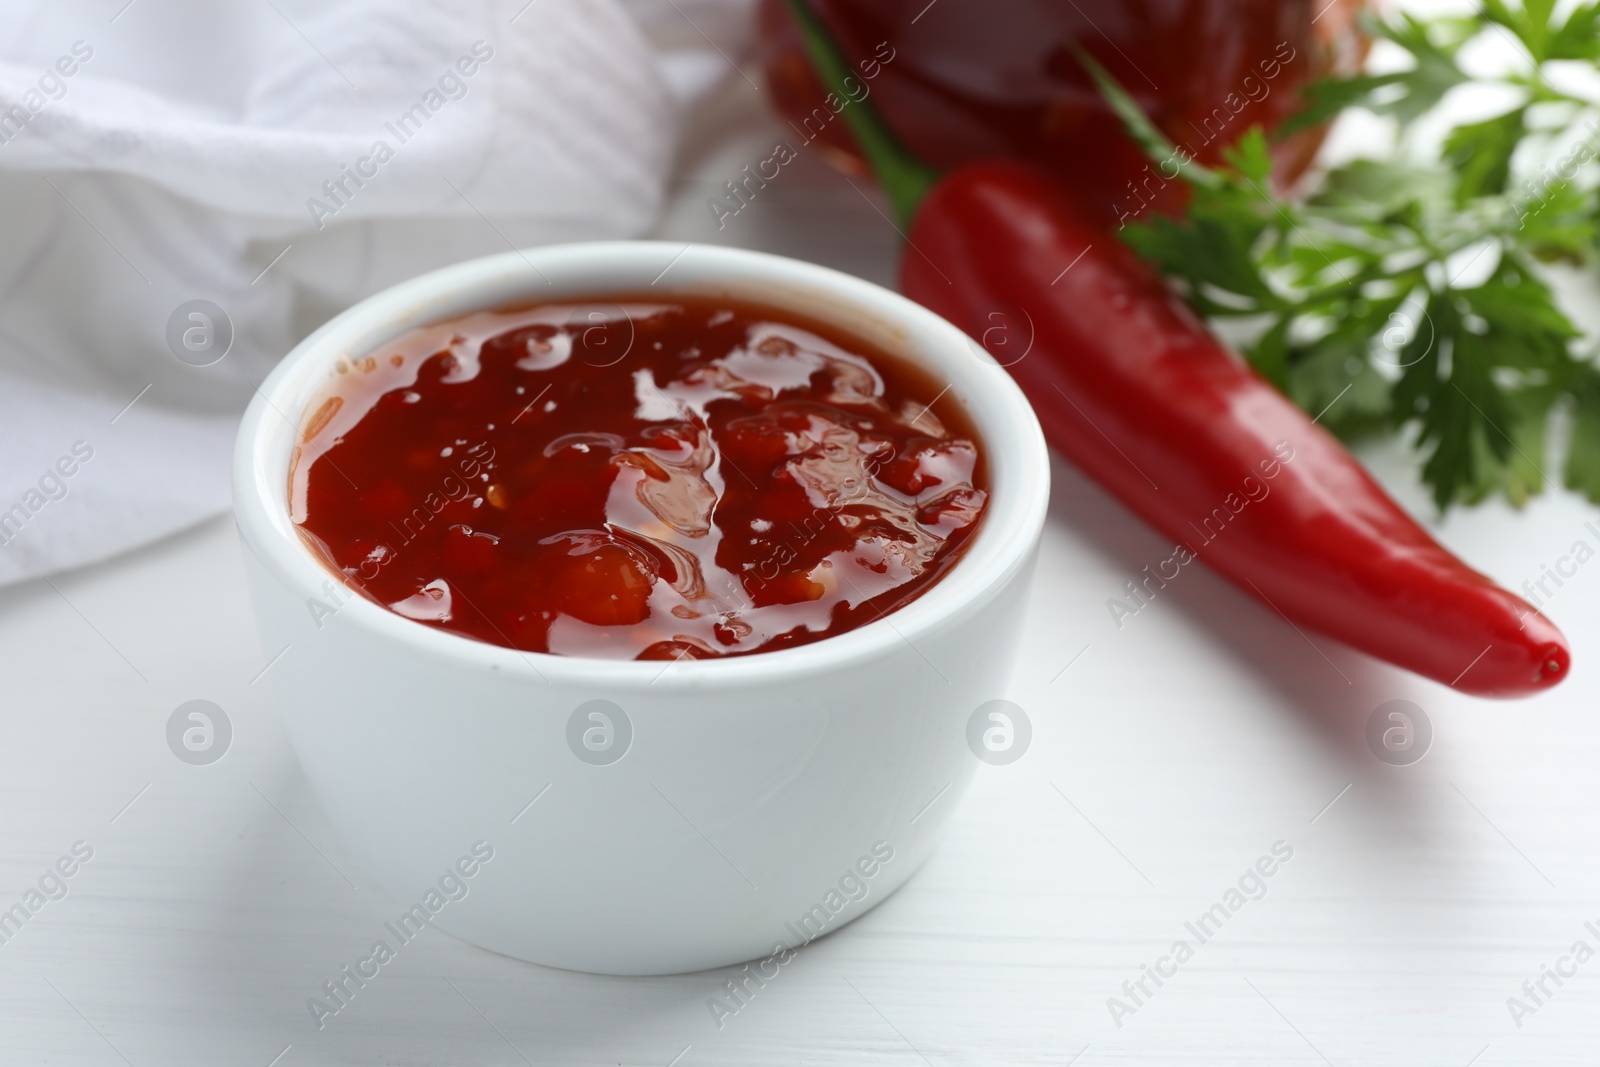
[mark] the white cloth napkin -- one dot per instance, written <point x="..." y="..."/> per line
<point x="280" y="159"/>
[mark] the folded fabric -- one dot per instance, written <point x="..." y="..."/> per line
<point x="187" y="188"/>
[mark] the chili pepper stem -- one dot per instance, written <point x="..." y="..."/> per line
<point x="905" y="178"/>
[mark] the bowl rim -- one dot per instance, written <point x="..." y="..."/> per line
<point x="1007" y="427"/>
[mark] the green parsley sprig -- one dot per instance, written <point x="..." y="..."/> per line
<point x="1408" y="293"/>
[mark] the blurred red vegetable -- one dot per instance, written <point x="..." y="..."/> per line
<point x="979" y="79"/>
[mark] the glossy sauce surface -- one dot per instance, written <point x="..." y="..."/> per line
<point x="637" y="479"/>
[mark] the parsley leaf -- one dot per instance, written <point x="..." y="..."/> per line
<point x="1582" y="471"/>
<point x="1405" y="296"/>
<point x="1480" y="153"/>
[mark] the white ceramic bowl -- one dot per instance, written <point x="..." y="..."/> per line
<point x="756" y="793"/>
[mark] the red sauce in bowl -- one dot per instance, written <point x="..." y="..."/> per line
<point x="640" y="479"/>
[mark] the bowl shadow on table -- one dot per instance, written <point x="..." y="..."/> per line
<point x="439" y="1000"/>
<point x="1320" y="683"/>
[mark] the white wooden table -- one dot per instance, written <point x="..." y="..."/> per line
<point x="1167" y="758"/>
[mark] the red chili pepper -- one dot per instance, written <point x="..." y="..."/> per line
<point x="1134" y="390"/>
